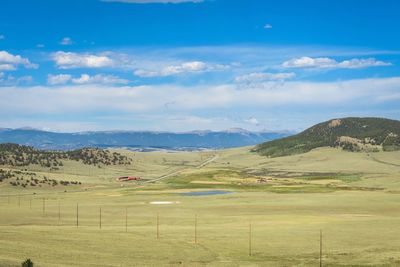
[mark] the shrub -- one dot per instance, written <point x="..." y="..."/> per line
<point x="27" y="263"/>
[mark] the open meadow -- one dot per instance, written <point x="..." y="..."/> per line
<point x="271" y="215"/>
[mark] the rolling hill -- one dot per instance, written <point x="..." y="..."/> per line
<point x="352" y="134"/>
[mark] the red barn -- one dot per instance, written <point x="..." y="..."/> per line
<point x="129" y="178"/>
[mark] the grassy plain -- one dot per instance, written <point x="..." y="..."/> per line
<point x="352" y="197"/>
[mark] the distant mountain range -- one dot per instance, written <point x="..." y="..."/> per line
<point x="351" y="134"/>
<point x="140" y="140"/>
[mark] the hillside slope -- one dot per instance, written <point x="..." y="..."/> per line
<point x="352" y="134"/>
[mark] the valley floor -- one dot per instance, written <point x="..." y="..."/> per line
<point x="353" y="198"/>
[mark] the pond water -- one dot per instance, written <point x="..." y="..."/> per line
<point x="206" y="193"/>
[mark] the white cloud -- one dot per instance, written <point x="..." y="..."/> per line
<point x="267" y="26"/>
<point x="24" y="79"/>
<point x="261" y="77"/>
<point x="362" y="63"/>
<point x="99" y="79"/>
<point x="10" y="80"/>
<point x="69" y="60"/>
<point x="66" y="41"/>
<point x="11" y="62"/>
<point x="329" y="63"/>
<point x="84" y="79"/>
<point x="186" y="67"/>
<point x="58" y="79"/>
<point x="50" y="100"/>
<point x="252" y="120"/>
<point x="7" y="67"/>
<point x="154" y="1"/>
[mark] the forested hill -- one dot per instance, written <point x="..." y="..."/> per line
<point x="352" y="134"/>
<point x="18" y="155"/>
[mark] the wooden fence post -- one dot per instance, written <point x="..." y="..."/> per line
<point x="250" y="252"/>
<point x="59" y="212"/>
<point x="77" y="215"/>
<point x="195" y="229"/>
<point x="44" y="206"/>
<point x="320" y="248"/>
<point x="126" y="220"/>
<point x="158" y="230"/>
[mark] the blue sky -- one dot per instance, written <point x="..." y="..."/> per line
<point x="181" y="65"/>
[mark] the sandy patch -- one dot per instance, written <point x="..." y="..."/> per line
<point x="163" y="202"/>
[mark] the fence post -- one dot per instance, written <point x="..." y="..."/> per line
<point x="195" y="229"/>
<point x="59" y="212"/>
<point x="320" y="248"/>
<point x="126" y="220"/>
<point x="77" y="215"/>
<point x="158" y="230"/>
<point x="250" y="252"/>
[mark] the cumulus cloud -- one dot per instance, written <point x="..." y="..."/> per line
<point x="9" y="61"/>
<point x="7" y="67"/>
<point x="329" y="63"/>
<point x="261" y="77"/>
<point x="154" y="1"/>
<point x="58" y="79"/>
<point x="186" y="67"/>
<point x="10" y="80"/>
<point x="84" y="79"/>
<point x="99" y="79"/>
<point x="66" y="41"/>
<point x="69" y="60"/>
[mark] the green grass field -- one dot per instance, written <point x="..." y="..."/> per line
<point x="352" y="197"/>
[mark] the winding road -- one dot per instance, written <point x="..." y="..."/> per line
<point x="201" y="165"/>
